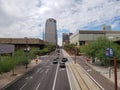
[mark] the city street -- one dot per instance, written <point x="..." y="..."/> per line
<point x="59" y="45"/>
<point x="49" y="76"/>
<point x="45" y="76"/>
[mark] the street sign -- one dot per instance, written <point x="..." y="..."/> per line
<point x="109" y="52"/>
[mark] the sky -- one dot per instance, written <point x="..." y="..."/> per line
<point x="26" y="18"/>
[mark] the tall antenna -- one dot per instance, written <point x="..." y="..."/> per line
<point x="43" y="34"/>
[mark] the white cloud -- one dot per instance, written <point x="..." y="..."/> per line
<point x="116" y="24"/>
<point x="27" y="17"/>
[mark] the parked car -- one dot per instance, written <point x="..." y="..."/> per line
<point x="64" y="59"/>
<point x="55" y="61"/>
<point x="62" y="64"/>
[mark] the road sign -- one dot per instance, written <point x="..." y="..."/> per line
<point x="109" y="52"/>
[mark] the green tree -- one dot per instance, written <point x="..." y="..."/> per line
<point x="97" y="50"/>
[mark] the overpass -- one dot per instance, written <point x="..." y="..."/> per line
<point x="22" y="42"/>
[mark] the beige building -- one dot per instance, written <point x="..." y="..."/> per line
<point x="84" y="37"/>
<point x="51" y="31"/>
<point x="66" y="38"/>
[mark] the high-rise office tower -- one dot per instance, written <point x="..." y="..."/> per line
<point x="106" y="27"/>
<point x="66" y="38"/>
<point x="51" y="31"/>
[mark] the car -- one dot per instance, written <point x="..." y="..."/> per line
<point x="62" y="64"/>
<point x="57" y="58"/>
<point x="64" y="59"/>
<point x="55" y="61"/>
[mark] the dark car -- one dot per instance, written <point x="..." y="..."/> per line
<point x="57" y="58"/>
<point x="62" y="64"/>
<point x="55" y="61"/>
<point x="64" y="59"/>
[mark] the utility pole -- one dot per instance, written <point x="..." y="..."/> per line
<point x="115" y="72"/>
<point x="43" y="34"/>
<point x="75" y="54"/>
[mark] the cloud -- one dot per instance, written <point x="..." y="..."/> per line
<point x="26" y="18"/>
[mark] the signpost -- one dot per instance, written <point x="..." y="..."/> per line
<point x="109" y="53"/>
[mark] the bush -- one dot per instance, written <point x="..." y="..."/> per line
<point x="6" y="65"/>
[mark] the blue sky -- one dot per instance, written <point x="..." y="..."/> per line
<point x="26" y="18"/>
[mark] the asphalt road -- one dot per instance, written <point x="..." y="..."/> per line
<point x="45" y="76"/>
<point x="62" y="82"/>
<point x="103" y="82"/>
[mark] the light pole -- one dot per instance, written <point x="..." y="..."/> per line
<point x="115" y="66"/>
<point x="1" y="51"/>
<point x="115" y="73"/>
<point x="75" y="54"/>
<point x="110" y="38"/>
<point x="26" y="50"/>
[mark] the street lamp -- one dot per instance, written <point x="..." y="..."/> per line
<point x="26" y="50"/>
<point x="110" y="50"/>
<point x="1" y="51"/>
<point x="75" y="51"/>
<point x="115" y="66"/>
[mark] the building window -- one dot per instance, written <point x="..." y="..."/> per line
<point x="81" y="43"/>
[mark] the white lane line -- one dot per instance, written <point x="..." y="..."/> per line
<point x="31" y="77"/>
<point x="38" y="86"/>
<point x="42" y="71"/>
<point x="23" y="86"/>
<point x="55" y="78"/>
<point x="26" y="77"/>
<point x="69" y="77"/>
<point x="38" y="70"/>
<point x="61" y="69"/>
<point x="46" y="71"/>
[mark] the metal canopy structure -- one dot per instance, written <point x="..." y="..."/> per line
<point x="5" y="49"/>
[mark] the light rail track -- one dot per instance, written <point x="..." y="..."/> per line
<point x="83" y="80"/>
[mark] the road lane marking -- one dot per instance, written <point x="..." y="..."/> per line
<point x="23" y="86"/>
<point x="31" y="77"/>
<point x="61" y="69"/>
<point x="42" y="71"/>
<point x="38" y="86"/>
<point x="46" y="71"/>
<point x="26" y="77"/>
<point x="69" y="77"/>
<point x="38" y="70"/>
<point x="55" y="77"/>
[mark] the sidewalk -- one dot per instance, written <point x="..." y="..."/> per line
<point x="105" y="71"/>
<point x="98" y="73"/>
<point x="7" y="78"/>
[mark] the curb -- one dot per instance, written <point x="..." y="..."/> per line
<point x="17" y="78"/>
<point x="72" y="79"/>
